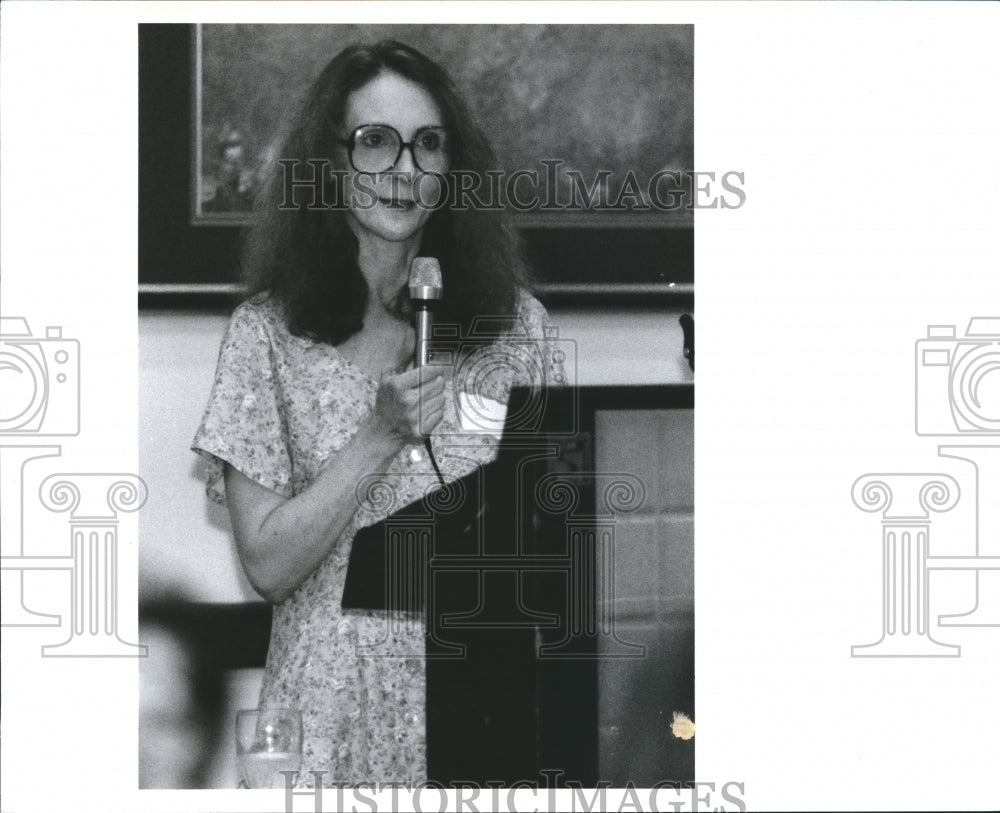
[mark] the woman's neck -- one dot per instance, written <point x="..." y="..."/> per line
<point x="385" y="266"/>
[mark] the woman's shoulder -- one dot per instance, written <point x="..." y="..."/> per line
<point x="261" y="308"/>
<point x="526" y="299"/>
<point x="258" y="328"/>
<point x="260" y="315"/>
<point x="530" y="312"/>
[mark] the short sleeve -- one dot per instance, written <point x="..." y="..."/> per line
<point x="244" y="423"/>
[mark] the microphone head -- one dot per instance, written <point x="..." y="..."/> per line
<point x="425" y="278"/>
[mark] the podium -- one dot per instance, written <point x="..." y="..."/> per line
<point x="514" y="567"/>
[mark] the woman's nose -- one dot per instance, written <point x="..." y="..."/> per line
<point x="406" y="163"/>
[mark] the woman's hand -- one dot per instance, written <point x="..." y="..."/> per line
<point x="408" y="406"/>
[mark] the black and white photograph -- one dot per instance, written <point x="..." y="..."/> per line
<point x="349" y="457"/>
<point x="538" y="558"/>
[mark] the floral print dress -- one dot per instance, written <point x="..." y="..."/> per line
<point x="280" y="408"/>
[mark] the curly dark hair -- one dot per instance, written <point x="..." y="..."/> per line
<point x="307" y="258"/>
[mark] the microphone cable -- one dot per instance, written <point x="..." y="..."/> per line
<point x="434" y="463"/>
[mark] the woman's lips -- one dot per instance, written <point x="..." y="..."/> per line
<point x="398" y="203"/>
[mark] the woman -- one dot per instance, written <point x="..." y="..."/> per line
<point x="313" y="394"/>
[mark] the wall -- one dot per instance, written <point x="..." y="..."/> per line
<point x="185" y="542"/>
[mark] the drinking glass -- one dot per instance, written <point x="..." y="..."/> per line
<point x="268" y="741"/>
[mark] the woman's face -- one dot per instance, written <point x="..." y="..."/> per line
<point x="395" y="215"/>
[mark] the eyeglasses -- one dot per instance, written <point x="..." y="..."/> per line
<point x="378" y="148"/>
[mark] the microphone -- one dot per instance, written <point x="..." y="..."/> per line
<point x="425" y="291"/>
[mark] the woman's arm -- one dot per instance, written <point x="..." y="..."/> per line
<point x="282" y="541"/>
